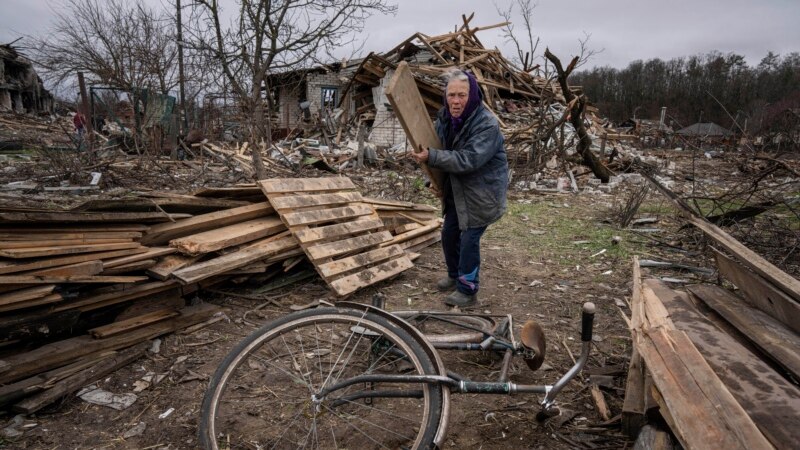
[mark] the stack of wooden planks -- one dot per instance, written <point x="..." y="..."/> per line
<point x="720" y="370"/>
<point x="81" y="289"/>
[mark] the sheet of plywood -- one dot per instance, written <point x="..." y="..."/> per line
<point x="408" y="106"/>
<point x="228" y="236"/>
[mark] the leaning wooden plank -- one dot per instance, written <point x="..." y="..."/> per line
<point x="338" y="267"/>
<point x="4" y="244"/>
<point x="87" y="217"/>
<point x="760" y="292"/>
<point x="769" y="335"/>
<point x="352" y="283"/>
<point x="751" y="259"/>
<point x="87" y="268"/>
<point x="769" y="399"/>
<point x="303" y="201"/>
<point x="64" y="250"/>
<point x="428" y="237"/>
<point x="295" y="185"/>
<point x="327" y="232"/>
<point x="224" y="237"/>
<point x="30" y="293"/>
<point x="240" y="258"/>
<point x="386" y="202"/>
<point x="65" y="260"/>
<point x="165" y="232"/>
<point x="122" y="326"/>
<point x="164" y="268"/>
<point x="78" y="380"/>
<point x="46" y="300"/>
<point x="60" y="353"/>
<point x="424" y="244"/>
<point x="152" y="252"/>
<point x="633" y="405"/>
<point x="432" y="227"/>
<point x="326" y="215"/>
<point x="407" y="104"/>
<point x="36" y="279"/>
<point x="334" y="249"/>
<point x="136" y="266"/>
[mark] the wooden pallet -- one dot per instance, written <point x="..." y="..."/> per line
<point x="337" y="230"/>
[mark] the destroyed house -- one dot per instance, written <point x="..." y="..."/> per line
<point x="429" y="57"/>
<point x="305" y="96"/>
<point x="21" y="89"/>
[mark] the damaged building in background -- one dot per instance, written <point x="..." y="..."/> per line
<point x="21" y="89"/>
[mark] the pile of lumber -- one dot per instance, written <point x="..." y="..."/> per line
<point x="85" y="287"/>
<point x="720" y="366"/>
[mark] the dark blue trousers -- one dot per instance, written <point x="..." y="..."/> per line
<point x="462" y="250"/>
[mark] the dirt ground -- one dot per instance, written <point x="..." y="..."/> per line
<point x="546" y="257"/>
<point x="518" y="277"/>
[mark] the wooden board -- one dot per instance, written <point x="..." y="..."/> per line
<point x="408" y="106"/>
<point x="55" y="235"/>
<point x="164" y="268"/>
<point x="4" y="244"/>
<point x="30" y="293"/>
<point x="24" y="266"/>
<point x="84" y="268"/>
<point x="34" y="252"/>
<point x="785" y="282"/>
<point x="118" y="294"/>
<point x="772" y="402"/>
<point x="136" y="266"/>
<point x="60" y="353"/>
<point x="165" y="232"/>
<point x="36" y="279"/>
<point x="234" y="260"/>
<point x="699" y="408"/>
<point x="122" y="326"/>
<point x="339" y="234"/>
<point x="759" y="292"/>
<point x="152" y="252"/>
<point x="770" y="336"/>
<point x="228" y="236"/>
<point x="39" y="217"/>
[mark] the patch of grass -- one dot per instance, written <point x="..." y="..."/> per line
<point x="549" y="231"/>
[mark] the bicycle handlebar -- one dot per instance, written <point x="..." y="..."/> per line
<point x="587" y="321"/>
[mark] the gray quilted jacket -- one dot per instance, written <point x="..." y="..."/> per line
<point x="476" y="166"/>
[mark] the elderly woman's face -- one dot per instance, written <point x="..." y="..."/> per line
<point x="457" y="97"/>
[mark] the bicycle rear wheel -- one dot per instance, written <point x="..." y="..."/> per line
<point x="261" y="395"/>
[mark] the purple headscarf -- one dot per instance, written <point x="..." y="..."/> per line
<point x="472" y="104"/>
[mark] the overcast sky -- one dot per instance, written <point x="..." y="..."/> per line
<point x="625" y="30"/>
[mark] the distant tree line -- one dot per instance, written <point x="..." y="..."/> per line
<point x="696" y="89"/>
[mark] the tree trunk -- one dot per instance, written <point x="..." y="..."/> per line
<point x="257" y="132"/>
<point x="576" y="117"/>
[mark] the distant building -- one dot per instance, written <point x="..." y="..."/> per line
<point x="21" y="89"/>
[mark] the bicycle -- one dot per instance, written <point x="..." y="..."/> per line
<point x="353" y="376"/>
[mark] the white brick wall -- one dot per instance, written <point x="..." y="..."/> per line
<point x="386" y="130"/>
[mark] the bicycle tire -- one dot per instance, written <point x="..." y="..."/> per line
<point x="284" y="410"/>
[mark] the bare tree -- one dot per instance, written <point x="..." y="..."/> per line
<point x="526" y="45"/>
<point x="270" y="36"/>
<point x="126" y="45"/>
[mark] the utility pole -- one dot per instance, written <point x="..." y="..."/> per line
<point x="181" y="79"/>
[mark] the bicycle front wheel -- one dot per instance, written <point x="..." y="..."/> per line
<point x="263" y="393"/>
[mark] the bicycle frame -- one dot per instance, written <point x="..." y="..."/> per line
<point x="501" y="342"/>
